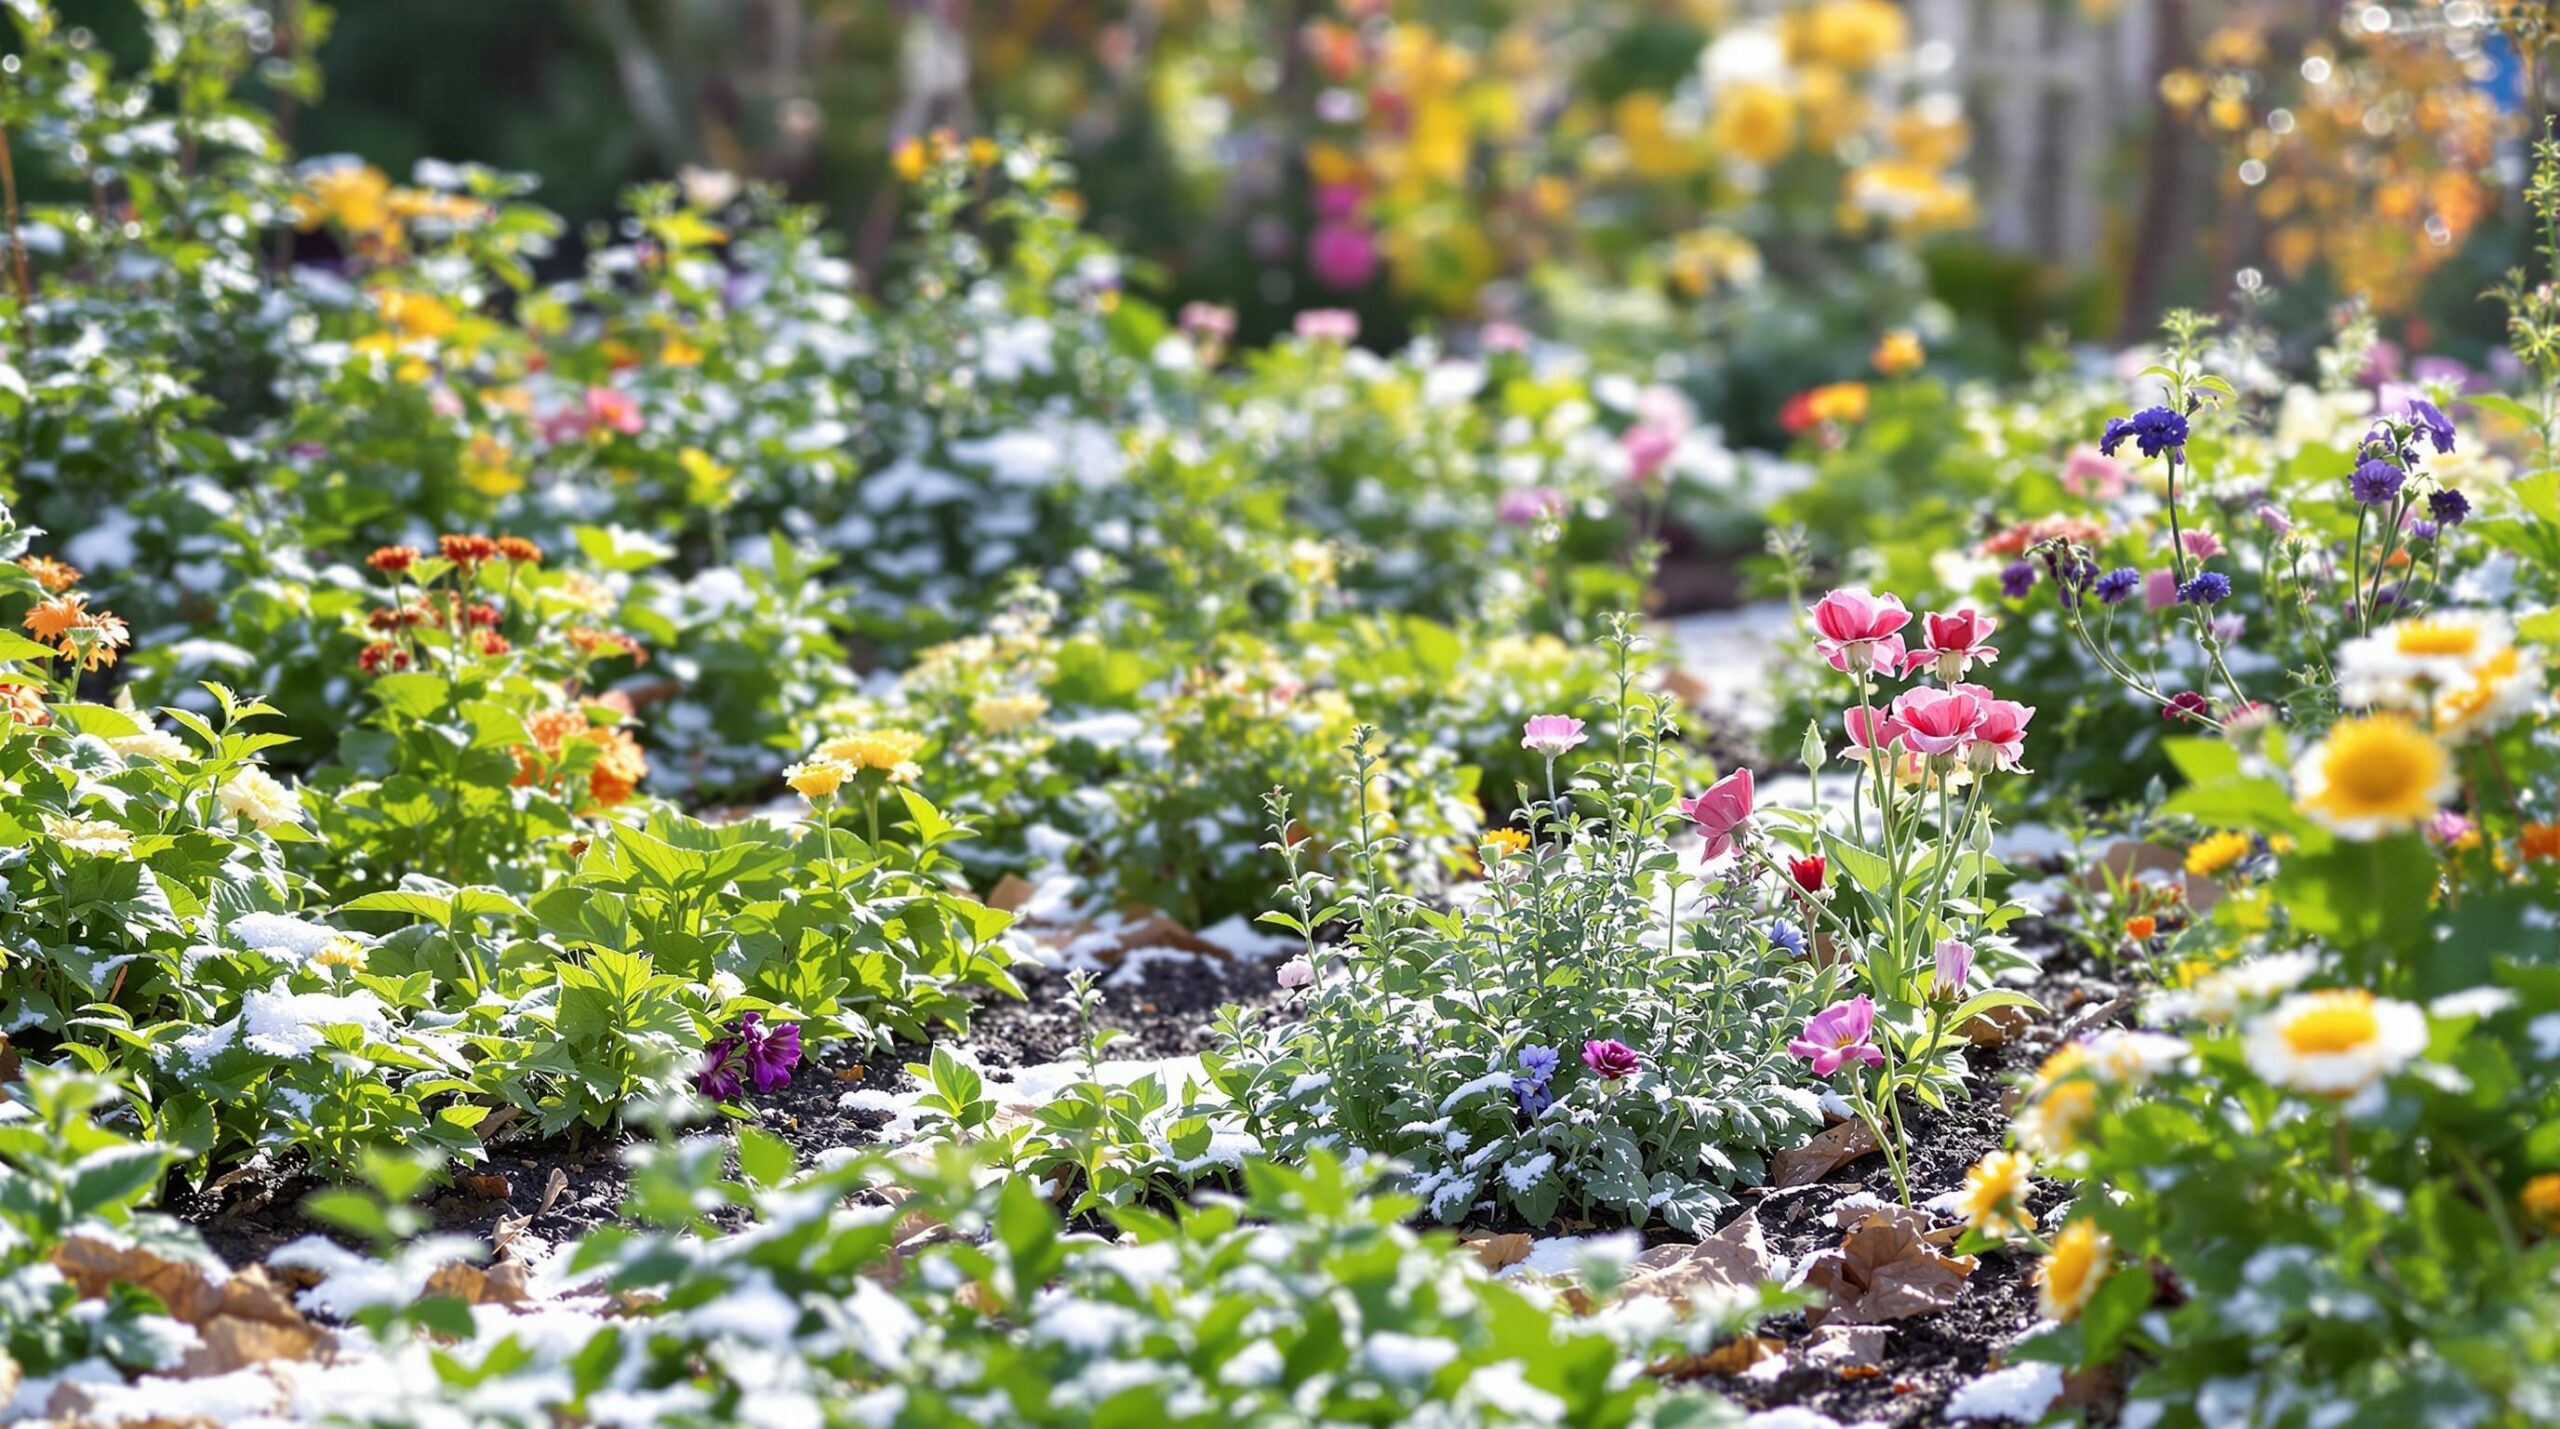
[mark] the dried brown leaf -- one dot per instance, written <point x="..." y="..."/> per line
<point x="1827" y="1152"/>
<point x="1735" y="1258"/>
<point x="1726" y="1359"/>
<point x="1494" y="1252"/>
<point x="1845" y="1347"/>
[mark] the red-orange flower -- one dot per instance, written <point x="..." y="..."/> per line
<point x="392" y="560"/>
<point x="519" y="550"/>
<point x="2141" y="926"/>
<point x="467" y="550"/>
<point x="2539" y="843"/>
<point x="25" y="704"/>
<point x="88" y="638"/>
<point x="381" y="656"/>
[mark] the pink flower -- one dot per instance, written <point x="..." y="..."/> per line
<point x="1854" y="623"/>
<point x="1328" y="325"/>
<point x="1611" y="1059"/>
<point x="1936" y="721"/>
<point x="1955" y="643"/>
<point x="1954" y="967"/>
<point x="2089" y="474"/>
<point x="609" y="410"/>
<point x="1342" y="255"/>
<point x="1209" y="321"/>
<point x="2160" y="590"/>
<point x="1297" y="972"/>
<point x="1528" y="508"/>
<point x="1866" y="742"/>
<point x="2000" y="739"/>
<point x="1837" y="1036"/>
<point x="1550" y="735"/>
<point x="2200" y="545"/>
<point x="1648" y="446"/>
<point x="1721" y="812"/>
<point x="1503" y="337"/>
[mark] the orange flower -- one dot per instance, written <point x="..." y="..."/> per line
<point x="519" y="550"/>
<point x="88" y="638"/>
<point x="2539" y="843"/>
<point x="620" y="766"/>
<point x="53" y="575"/>
<point x="467" y="550"/>
<point x="392" y="560"/>
<point x="2141" y="927"/>
<point x="51" y="619"/>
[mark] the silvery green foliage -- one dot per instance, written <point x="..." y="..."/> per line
<point x="1416" y="1022"/>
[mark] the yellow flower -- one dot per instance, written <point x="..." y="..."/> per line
<point x="1899" y="353"/>
<point x="1994" y="1199"/>
<point x="2059" y="1102"/>
<point x="88" y="835"/>
<point x="2372" y="776"/>
<point x="2072" y="1271"/>
<point x="816" y="779"/>
<point x="890" y="750"/>
<point x="2541" y="1201"/>
<point x="1311" y="564"/>
<point x="2213" y="853"/>
<point x="354" y="196"/>
<point x="341" y="951"/>
<point x="1003" y="714"/>
<point x="1841" y="402"/>
<point x="254" y="796"/>
<point x="485" y="467"/>
<point x="1506" y="841"/>
<point x="415" y="315"/>
<point x="1754" y="122"/>
<point x="909" y="159"/>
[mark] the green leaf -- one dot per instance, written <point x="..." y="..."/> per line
<point x="413" y="694"/>
<point x="764" y="1157"/>
<point x="104" y="721"/>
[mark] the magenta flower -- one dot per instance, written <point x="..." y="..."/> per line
<point x="1837" y="1036"/>
<point x="1550" y="735"/>
<point x="1936" y="721"/>
<point x="1610" y="1059"/>
<point x="1721" y="812"/>
<point x="1954" y="968"/>
<point x="1648" y="446"/>
<point x="1528" y="508"/>
<point x="754" y="1052"/>
<point x="1342" y="255"/>
<point x="2000" y="739"/>
<point x="2200" y="545"/>
<point x="1853" y="624"/>
<point x="1955" y="643"/>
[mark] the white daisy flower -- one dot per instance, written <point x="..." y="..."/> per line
<point x="2334" y="1043"/>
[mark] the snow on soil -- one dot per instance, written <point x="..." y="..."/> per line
<point x="1730" y="651"/>
<point x="2020" y="1393"/>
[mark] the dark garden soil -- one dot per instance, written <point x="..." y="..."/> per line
<point x="1927" y="1357"/>
<point x="563" y="1186"/>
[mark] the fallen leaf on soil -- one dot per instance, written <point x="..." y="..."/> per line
<point x="1825" y="1153"/>
<point x="239" y="1321"/>
<point x="1884" y="1269"/>
<point x="1731" y="1358"/>
<point x="485" y="1187"/>
<point x="1495" y="1252"/>
<point x="1733" y="1259"/>
<point x="494" y="1123"/>
<point x="1688" y="685"/>
<point x="1010" y="893"/>
<point x="1991" y="1029"/>
<point x="1845" y="1347"/>
<point x="851" y="1074"/>
<point x="501" y="1284"/>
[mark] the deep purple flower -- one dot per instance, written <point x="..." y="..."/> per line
<point x="755" y="1052"/>
<point x="1611" y="1059"/>
<point x="2449" y="507"/>
<point x="2432" y="420"/>
<point x="2017" y="578"/>
<point x="2154" y="429"/>
<point x="2116" y="585"/>
<point x="2422" y="530"/>
<point x="2376" y="482"/>
<point x="2205" y="588"/>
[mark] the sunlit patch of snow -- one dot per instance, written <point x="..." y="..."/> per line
<point x="2021" y="1393"/>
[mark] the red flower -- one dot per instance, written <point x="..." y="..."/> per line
<point x="2186" y="705"/>
<point x="1807" y="872"/>
<point x="392" y="560"/>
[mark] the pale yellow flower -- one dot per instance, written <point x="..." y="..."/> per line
<point x="254" y="796"/>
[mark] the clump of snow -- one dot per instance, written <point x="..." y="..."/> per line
<point x="281" y="934"/>
<point x="282" y="1023"/>
<point x="2022" y="1393"/>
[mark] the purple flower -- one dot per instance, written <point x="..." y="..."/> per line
<point x="755" y="1052"/>
<point x="2116" y="585"/>
<point x="1539" y="1062"/>
<point x="1783" y="934"/>
<point x="1838" y="1035"/>
<point x="1954" y="967"/>
<point x="2273" y="518"/>
<point x="2017" y="578"/>
<point x="2449" y="507"/>
<point x="1528" y="508"/>
<point x="2376" y="482"/>
<point x="2205" y="588"/>
<point x="2432" y="420"/>
<point x="1537" y="1070"/>
<point x="1534" y="1096"/>
<point x="2154" y="429"/>
<point x="2422" y="530"/>
<point x="1611" y="1059"/>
